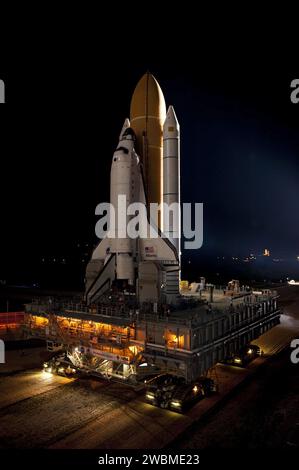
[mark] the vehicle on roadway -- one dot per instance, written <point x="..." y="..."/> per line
<point x="169" y="391"/>
<point x="244" y="357"/>
<point x="60" y="365"/>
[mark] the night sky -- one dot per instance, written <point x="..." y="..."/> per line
<point x="239" y="148"/>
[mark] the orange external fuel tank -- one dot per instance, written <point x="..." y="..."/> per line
<point x="147" y="116"/>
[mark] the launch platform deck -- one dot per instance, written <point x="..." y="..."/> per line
<point x="185" y="341"/>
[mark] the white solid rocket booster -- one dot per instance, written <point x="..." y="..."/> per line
<point x="171" y="176"/>
<point x="171" y="194"/>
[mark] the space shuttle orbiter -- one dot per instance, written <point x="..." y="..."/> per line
<point x="144" y="169"/>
